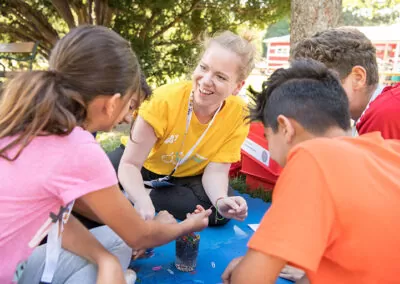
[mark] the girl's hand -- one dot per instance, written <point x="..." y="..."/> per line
<point x="198" y="219"/>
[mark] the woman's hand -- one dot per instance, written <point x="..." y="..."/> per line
<point x="144" y="206"/>
<point x="165" y="217"/>
<point x="198" y="219"/>
<point x="232" y="207"/>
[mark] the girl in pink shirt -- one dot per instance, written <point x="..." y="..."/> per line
<point x="48" y="159"/>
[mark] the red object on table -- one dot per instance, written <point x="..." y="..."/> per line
<point x="234" y="171"/>
<point x="260" y="170"/>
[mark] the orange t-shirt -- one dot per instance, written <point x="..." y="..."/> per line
<point x="336" y="211"/>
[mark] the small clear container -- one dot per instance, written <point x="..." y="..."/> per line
<point x="187" y="249"/>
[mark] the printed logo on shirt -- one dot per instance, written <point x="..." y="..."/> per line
<point x="171" y="139"/>
<point x="172" y="158"/>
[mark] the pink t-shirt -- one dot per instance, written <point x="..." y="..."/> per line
<point x="50" y="172"/>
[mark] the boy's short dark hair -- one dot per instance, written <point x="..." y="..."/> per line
<point x="340" y="49"/>
<point x="307" y="92"/>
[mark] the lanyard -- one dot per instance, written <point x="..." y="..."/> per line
<point x="186" y="157"/>
<point x="188" y="119"/>
<point x="54" y="226"/>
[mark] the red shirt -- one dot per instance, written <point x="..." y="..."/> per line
<point x="383" y="114"/>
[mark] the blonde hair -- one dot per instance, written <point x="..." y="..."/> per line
<point x="241" y="45"/>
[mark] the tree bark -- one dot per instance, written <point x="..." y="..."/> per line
<point x="311" y="16"/>
<point x="63" y="8"/>
<point x="37" y="19"/>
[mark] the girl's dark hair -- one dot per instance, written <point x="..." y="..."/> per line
<point x="89" y="61"/>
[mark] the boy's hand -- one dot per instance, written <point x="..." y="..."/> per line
<point x="226" y="276"/>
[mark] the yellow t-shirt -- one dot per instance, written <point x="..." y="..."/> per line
<point x="166" y="112"/>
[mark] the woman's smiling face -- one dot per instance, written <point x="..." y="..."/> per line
<point x="216" y="76"/>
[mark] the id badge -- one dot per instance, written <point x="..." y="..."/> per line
<point x="160" y="183"/>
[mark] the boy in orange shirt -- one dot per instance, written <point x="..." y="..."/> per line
<point x="341" y="195"/>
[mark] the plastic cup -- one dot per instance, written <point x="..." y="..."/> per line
<point x="187" y="249"/>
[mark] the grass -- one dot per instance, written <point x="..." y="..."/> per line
<point x="109" y="141"/>
<point x="239" y="183"/>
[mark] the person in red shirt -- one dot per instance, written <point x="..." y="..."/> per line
<point x="340" y="194"/>
<point x="350" y="53"/>
<point x="383" y="114"/>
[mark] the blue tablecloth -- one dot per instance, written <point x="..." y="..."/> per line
<point x="218" y="246"/>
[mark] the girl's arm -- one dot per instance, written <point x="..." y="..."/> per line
<point x="115" y="211"/>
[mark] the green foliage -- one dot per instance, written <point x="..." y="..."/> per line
<point x="239" y="184"/>
<point x="163" y="33"/>
<point x="370" y="13"/>
<point x="109" y="141"/>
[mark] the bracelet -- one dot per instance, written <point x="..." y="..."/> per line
<point x="216" y="210"/>
<point x="218" y="199"/>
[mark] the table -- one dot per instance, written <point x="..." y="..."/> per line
<point x="218" y="245"/>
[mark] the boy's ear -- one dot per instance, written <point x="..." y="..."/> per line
<point x="359" y="77"/>
<point x="286" y="127"/>
<point x="111" y="104"/>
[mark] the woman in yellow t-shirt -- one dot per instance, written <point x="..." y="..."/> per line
<point x="188" y="134"/>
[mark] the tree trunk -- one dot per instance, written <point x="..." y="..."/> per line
<point x="63" y="8"/>
<point x="311" y="16"/>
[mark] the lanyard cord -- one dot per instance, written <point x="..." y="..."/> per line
<point x="188" y="119"/>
